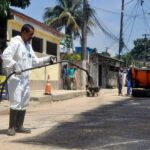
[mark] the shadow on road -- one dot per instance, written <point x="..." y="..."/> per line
<point x="121" y="125"/>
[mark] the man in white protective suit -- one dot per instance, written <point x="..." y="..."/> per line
<point x="18" y="56"/>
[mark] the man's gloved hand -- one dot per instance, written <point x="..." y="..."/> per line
<point x="17" y="71"/>
<point x="52" y="60"/>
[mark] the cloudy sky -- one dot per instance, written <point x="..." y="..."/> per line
<point x="136" y="21"/>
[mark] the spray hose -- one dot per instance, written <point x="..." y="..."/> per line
<point x="89" y="78"/>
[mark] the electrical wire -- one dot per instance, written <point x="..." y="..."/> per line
<point x="107" y="32"/>
<point x="128" y="21"/>
<point x="145" y="20"/>
<point x="112" y="12"/>
<point x="104" y="29"/>
<point x="132" y="27"/>
<point x="128" y="2"/>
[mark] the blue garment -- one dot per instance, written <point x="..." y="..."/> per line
<point x="129" y="75"/>
<point x="71" y="72"/>
<point x="65" y="78"/>
<point x="129" y="82"/>
<point x="128" y="87"/>
<point x="119" y="88"/>
<point x="65" y="72"/>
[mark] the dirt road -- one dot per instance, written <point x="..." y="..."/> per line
<point x="58" y="125"/>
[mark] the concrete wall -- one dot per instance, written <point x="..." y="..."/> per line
<point x="108" y="77"/>
<point x="112" y="78"/>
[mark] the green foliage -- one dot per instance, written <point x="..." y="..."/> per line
<point x="68" y="14"/>
<point x="128" y="59"/>
<point x="141" y="49"/>
<point x="19" y="3"/>
<point x="138" y="54"/>
<point x="67" y="42"/>
<point x="63" y="15"/>
<point x="72" y="57"/>
<point x="4" y="5"/>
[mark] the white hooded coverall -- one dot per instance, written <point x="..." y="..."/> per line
<point x="20" y="56"/>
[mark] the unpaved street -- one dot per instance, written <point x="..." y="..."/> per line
<point x="106" y="122"/>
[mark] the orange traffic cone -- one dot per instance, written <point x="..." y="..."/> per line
<point x="48" y="86"/>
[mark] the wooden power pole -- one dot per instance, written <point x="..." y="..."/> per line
<point x="84" y="30"/>
<point x="121" y="43"/>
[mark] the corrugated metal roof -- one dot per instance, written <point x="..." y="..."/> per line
<point x="107" y="57"/>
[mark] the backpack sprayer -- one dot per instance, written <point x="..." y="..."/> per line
<point x="89" y="78"/>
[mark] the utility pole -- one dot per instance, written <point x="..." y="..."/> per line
<point x="145" y="35"/>
<point x="145" y="49"/>
<point x="121" y="43"/>
<point x="84" y="43"/>
<point x="142" y="1"/>
<point x="84" y="30"/>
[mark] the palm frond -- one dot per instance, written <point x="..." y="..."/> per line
<point x="70" y="20"/>
<point x="69" y="14"/>
<point x="19" y="3"/>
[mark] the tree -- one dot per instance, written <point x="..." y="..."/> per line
<point x="67" y="14"/>
<point x="63" y="15"/>
<point x="72" y="57"/>
<point x="77" y="18"/>
<point x="128" y="59"/>
<point x="84" y="42"/>
<point x="5" y="15"/>
<point x="141" y="49"/>
<point x="87" y="18"/>
<point x="139" y="53"/>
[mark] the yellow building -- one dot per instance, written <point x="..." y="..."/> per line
<point x="46" y="41"/>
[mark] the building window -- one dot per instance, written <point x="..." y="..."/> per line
<point x="15" y="33"/>
<point x="37" y="44"/>
<point x="51" y="48"/>
<point x="113" y="68"/>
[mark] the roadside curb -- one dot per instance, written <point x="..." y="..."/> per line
<point x="57" y="97"/>
<point x="60" y="95"/>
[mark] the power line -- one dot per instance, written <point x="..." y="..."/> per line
<point x="128" y="2"/>
<point x="132" y="27"/>
<point x="113" y="12"/>
<point x="132" y="12"/>
<point x="145" y="19"/>
<point x="105" y="30"/>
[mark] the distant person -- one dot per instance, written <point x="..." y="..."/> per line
<point x="120" y="81"/>
<point x="72" y="79"/>
<point x="128" y="78"/>
<point x="65" y="77"/>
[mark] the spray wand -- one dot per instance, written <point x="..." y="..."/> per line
<point x="89" y="78"/>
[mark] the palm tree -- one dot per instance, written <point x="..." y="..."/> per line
<point x="68" y="14"/>
<point x="77" y="18"/>
<point x="64" y="15"/>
